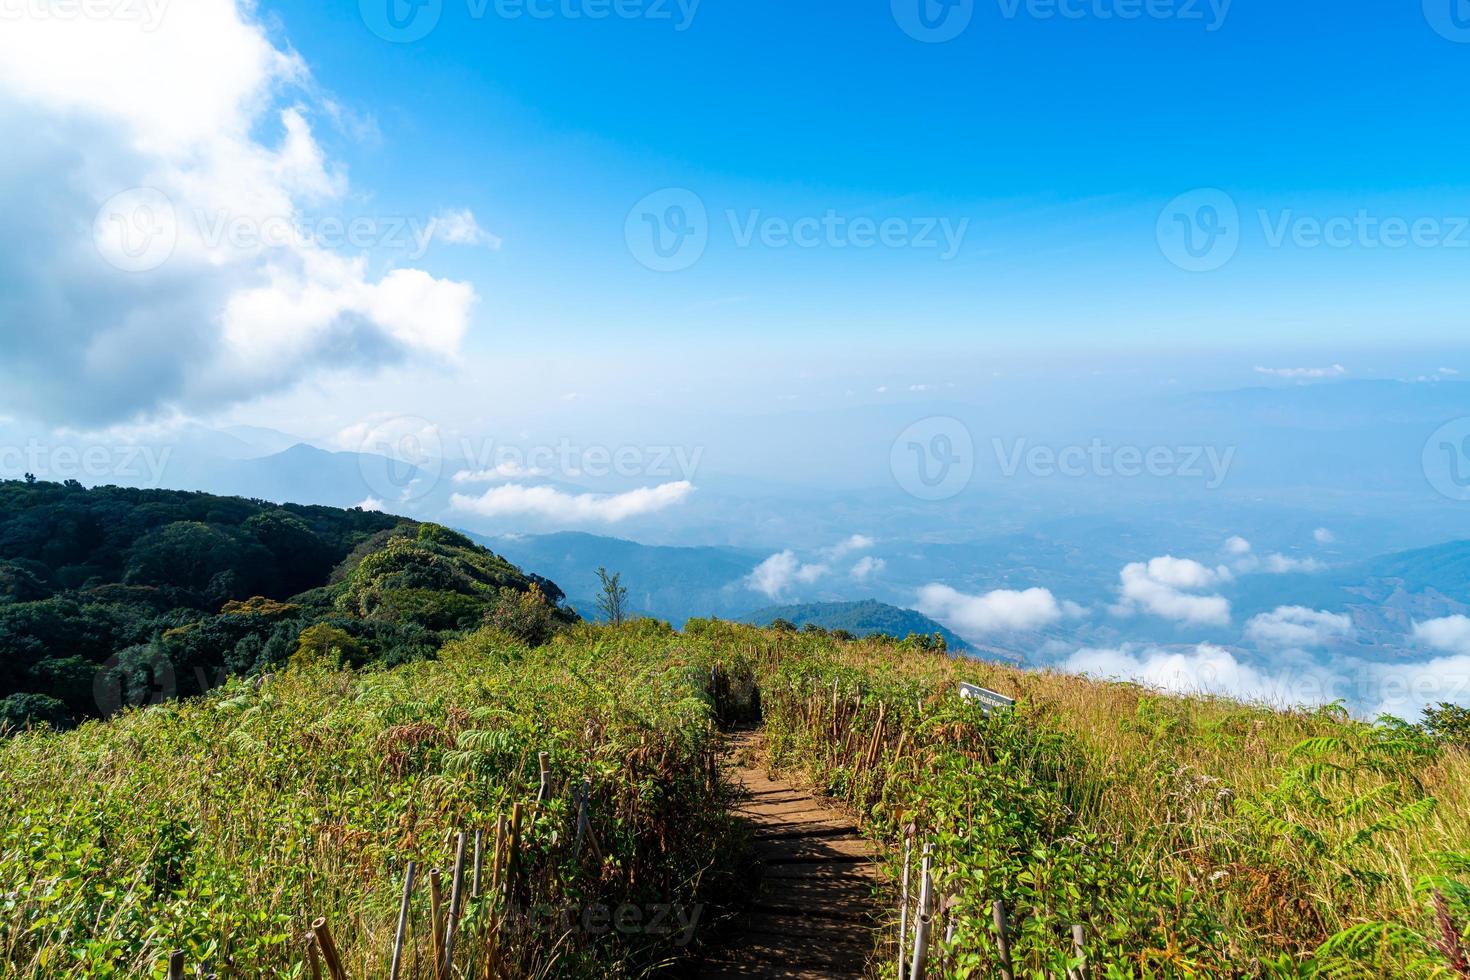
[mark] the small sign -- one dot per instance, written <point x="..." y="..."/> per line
<point x="989" y="700"/>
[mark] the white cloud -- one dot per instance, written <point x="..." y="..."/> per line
<point x="1304" y="373"/>
<point x="1298" y="627"/>
<point x="1283" y="565"/>
<point x="856" y="543"/>
<point x="513" y="500"/>
<point x="1238" y="546"/>
<point x="1323" y="536"/>
<point x="1451" y="633"/>
<point x="1203" y="669"/>
<point x="1170" y="588"/>
<point x="372" y="504"/>
<point x="778" y="573"/>
<point x="1001" y="611"/>
<point x="507" y="470"/>
<point x="461" y="228"/>
<point x="138" y="293"/>
<point x="867" y="567"/>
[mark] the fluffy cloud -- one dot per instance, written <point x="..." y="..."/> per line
<point x="189" y="257"/>
<point x="461" y="228"/>
<point x="515" y="500"/>
<point x="778" y="573"/>
<point x="1304" y="373"/>
<point x="1172" y="588"/>
<point x="1203" y="669"/>
<point x="508" y="470"/>
<point x="1001" y="611"/>
<point x="856" y="543"/>
<point x="372" y="505"/>
<point x="867" y="566"/>
<point x="1245" y="561"/>
<point x="1324" y="536"/>
<point x="1451" y="633"/>
<point x="1298" y="627"/>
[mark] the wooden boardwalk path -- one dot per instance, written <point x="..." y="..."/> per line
<point x="813" y="915"/>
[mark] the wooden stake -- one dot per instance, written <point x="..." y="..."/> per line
<point x="312" y="958"/>
<point x="176" y="965"/>
<point x="923" y="920"/>
<point x="1079" y="949"/>
<point x="329" y="949"/>
<point x="497" y="857"/>
<point x="402" y="921"/>
<point x="456" y="895"/>
<point x="545" y="760"/>
<point x="512" y="857"/>
<point x="582" y="814"/>
<point x="1003" y="941"/>
<point x="436" y="919"/>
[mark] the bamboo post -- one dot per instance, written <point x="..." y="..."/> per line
<point x="1079" y="949"/>
<point x="512" y="856"/>
<point x="923" y="920"/>
<point x="436" y="918"/>
<point x="479" y="849"/>
<point x="176" y="965"/>
<point x="497" y="857"/>
<point x="456" y="894"/>
<point x="545" y="790"/>
<point x="313" y="959"/>
<point x="402" y="921"/>
<point x="329" y="949"/>
<point x="903" y="905"/>
<point x="1003" y="941"/>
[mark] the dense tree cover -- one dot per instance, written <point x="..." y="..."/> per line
<point x="116" y="596"/>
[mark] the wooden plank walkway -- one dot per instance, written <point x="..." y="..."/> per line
<point x="813" y="914"/>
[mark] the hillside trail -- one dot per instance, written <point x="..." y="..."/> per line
<point x="813" y="914"/>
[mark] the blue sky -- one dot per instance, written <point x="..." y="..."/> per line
<point x="1058" y="139"/>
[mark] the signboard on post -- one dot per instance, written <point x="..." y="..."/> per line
<point x="990" y="701"/>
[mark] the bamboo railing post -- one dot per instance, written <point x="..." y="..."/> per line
<point x="512" y="856"/>
<point x="436" y="919"/>
<point x="545" y="762"/>
<point x="923" y="920"/>
<point x="497" y="857"/>
<point x="313" y="958"/>
<point x="176" y="965"/>
<point x="402" y="922"/>
<point x="1079" y="949"/>
<point x="328" y="946"/>
<point x="456" y="894"/>
<point x="1003" y="941"/>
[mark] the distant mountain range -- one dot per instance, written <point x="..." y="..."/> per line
<point x="860" y="618"/>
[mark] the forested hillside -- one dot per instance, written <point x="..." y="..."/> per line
<point x="116" y="596"/>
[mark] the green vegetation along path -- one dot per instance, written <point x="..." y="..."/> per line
<point x="813" y="915"/>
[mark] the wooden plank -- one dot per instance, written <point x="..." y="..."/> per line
<point x="814" y="849"/>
